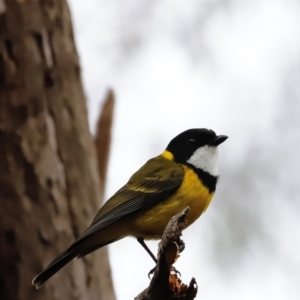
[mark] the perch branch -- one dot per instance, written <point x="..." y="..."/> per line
<point x="165" y="285"/>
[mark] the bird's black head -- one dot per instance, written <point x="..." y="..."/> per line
<point x="184" y="145"/>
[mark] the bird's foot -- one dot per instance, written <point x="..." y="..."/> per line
<point x="173" y="269"/>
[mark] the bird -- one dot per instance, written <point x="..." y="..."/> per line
<point x="185" y="174"/>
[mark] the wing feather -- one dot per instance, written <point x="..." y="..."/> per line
<point x="155" y="181"/>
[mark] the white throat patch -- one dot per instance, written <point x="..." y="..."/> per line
<point x="205" y="158"/>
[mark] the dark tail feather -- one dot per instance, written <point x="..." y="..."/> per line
<point x="74" y="251"/>
<point x="96" y="247"/>
<point x="54" y="267"/>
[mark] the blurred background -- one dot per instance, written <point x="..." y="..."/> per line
<point x="229" y="65"/>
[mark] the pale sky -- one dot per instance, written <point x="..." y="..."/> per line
<point x="232" y="66"/>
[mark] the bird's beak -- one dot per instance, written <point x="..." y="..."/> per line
<point x="218" y="140"/>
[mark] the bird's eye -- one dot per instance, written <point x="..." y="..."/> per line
<point x="190" y="142"/>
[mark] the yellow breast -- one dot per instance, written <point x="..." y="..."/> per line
<point x="151" y="224"/>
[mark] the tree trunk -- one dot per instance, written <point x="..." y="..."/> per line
<point x="49" y="183"/>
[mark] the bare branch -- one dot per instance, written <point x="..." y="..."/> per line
<point x="165" y="285"/>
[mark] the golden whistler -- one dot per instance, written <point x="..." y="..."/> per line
<point x="185" y="174"/>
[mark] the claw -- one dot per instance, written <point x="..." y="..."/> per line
<point x="176" y="271"/>
<point x="181" y="247"/>
<point x="151" y="272"/>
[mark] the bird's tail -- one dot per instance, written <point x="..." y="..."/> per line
<point x="54" y="267"/>
<point x="79" y="249"/>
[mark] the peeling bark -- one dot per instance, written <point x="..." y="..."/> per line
<point x="49" y="183"/>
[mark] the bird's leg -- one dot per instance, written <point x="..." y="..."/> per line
<point x="142" y="242"/>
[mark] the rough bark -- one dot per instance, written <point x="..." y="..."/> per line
<point x="165" y="284"/>
<point x="49" y="183"/>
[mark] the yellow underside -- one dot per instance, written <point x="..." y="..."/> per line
<point x="150" y="224"/>
<point x="192" y="193"/>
